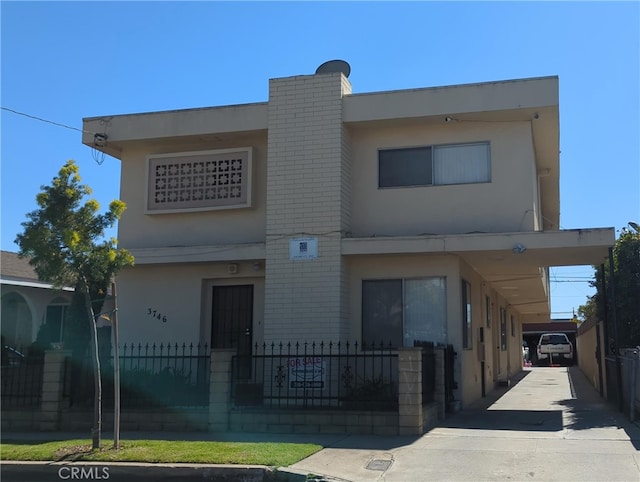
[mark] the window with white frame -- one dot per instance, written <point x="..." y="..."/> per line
<point x="203" y="180"/>
<point x="401" y="311"/>
<point x="54" y="320"/>
<point x="434" y="165"/>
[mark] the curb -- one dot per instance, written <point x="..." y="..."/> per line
<point x="287" y="474"/>
<point x="12" y="471"/>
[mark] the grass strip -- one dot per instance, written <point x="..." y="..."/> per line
<point x="160" y="451"/>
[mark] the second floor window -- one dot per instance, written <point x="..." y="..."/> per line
<point x="434" y="165"/>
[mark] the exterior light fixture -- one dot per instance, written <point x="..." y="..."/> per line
<point x="100" y="140"/>
<point x="519" y="248"/>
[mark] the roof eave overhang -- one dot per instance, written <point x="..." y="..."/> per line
<point x="115" y="132"/>
<point x="32" y="284"/>
<point x="514" y="264"/>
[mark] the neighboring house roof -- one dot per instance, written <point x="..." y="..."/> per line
<point x="14" y="267"/>
<point x="16" y="271"/>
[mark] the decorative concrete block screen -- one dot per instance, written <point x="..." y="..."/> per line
<point x="193" y="181"/>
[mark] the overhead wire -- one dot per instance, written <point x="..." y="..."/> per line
<point x="98" y="156"/>
<point x="30" y="116"/>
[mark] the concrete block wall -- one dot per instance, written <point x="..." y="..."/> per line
<point x="412" y="417"/>
<point x="52" y="388"/>
<point x="308" y="194"/>
<point x="430" y="416"/>
<point x="314" y="421"/>
<point x="14" y="420"/>
<point x="191" y="419"/>
<point x="410" y="391"/>
<point x="220" y="389"/>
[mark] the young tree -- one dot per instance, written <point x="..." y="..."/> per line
<point x="626" y="259"/>
<point x="64" y="240"/>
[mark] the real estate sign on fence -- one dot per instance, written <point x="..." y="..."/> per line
<point x="307" y="372"/>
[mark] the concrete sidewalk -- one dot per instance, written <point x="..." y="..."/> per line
<point x="551" y="425"/>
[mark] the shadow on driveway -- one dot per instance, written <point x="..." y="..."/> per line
<point x="587" y="410"/>
<point x="518" y="420"/>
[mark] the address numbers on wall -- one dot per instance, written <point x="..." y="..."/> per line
<point x="156" y="314"/>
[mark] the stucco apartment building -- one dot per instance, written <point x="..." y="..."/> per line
<point x="325" y="215"/>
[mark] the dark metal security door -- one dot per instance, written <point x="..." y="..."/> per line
<point x="232" y="318"/>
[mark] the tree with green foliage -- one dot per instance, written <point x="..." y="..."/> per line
<point x="64" y="241"/>
<point x="626" y="259"/>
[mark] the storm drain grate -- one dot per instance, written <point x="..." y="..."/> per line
<point x="377" y="464"/>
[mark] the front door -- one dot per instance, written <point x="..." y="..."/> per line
<point x="232" y="318"/>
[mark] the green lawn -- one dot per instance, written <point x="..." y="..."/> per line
<point x="160" y="451"/>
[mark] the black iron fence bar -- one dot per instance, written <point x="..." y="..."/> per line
<point x="156" y="374"/>
<point x="428" y="370"/>
<point x="22" y="379"/>
<point x="311" y="374"/>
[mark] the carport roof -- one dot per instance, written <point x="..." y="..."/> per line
<point x="514" y="264"/>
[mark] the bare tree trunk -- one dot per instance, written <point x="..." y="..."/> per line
<point x="116" y="365"/>
<point x="96" y="430"/>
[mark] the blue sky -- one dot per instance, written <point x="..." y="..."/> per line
<point x="63" y="61"/>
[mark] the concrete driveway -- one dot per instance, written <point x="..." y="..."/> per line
<point x="551" y="425"/>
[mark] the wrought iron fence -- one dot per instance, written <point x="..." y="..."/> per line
<point x="151" y="375"/>
<point x="317" y="375"/>
<point x="450" y="383"/>
<point x="428" y="370"/>
<point x="21" y="378"/>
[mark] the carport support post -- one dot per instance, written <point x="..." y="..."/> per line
<point x="220" y="389"/>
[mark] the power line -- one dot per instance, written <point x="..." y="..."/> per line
<point x="572" y="281"/>
<point x="46" y="120"/>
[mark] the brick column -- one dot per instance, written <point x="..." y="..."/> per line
<point x="220" y="389"/>
<point x="410" y="420"/>
<point x="308" y="191"/>
<point x="440" y="395"/>
<point x="52" y="388"/>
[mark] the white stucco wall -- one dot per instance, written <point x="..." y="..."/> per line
<point x="449" y="209"/>
<point x="397" y="267"/>
<point x="139" y="230"/>
<point x="182" y="294"/>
